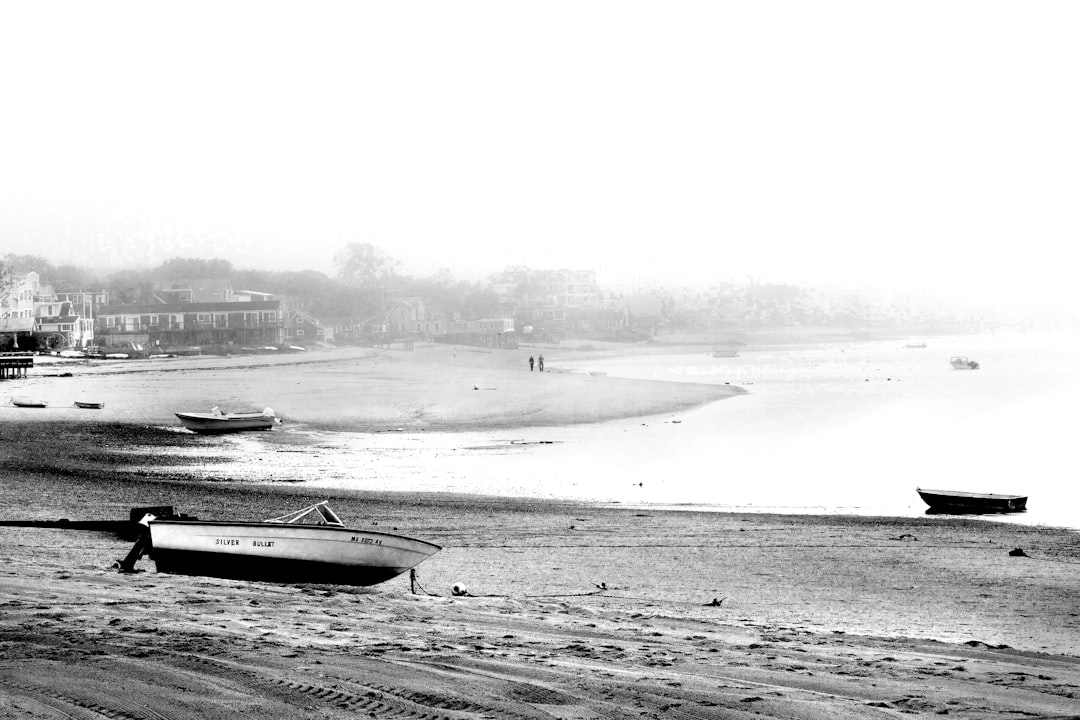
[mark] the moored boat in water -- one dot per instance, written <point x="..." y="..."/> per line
<point x="311" y="545"/>
<point x="217" y="421"/>
<point x="962" y="363"/>
<point x="968" y="503"/>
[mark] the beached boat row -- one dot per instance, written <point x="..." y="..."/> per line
<point x="35" y="402"/>
<point x="214" y="421"/>
<point x="312" y="545"/>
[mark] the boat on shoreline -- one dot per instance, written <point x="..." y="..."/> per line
<point x="311" y="545"/>
<point x="725" y="352"/>
<point x="29" y="402"/>
<point x="955" y="502"/>
<point x="89" y="405"/>
<point x="962" y="363"/>
<point x="217" y="421"/>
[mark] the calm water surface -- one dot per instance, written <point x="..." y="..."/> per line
<point x="831" y="428"/>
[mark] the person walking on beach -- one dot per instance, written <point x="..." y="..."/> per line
<point x="531" y="361"/>
<point x="541" y="363"/>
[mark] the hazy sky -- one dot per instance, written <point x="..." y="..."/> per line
<point x="926" y="145"/>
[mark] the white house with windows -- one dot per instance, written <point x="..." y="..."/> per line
<point x="62" y="327"/>
<point x="55" y="323"/>
<point x="18" y="298"/>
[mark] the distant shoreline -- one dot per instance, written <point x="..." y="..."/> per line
<point x="432" y="387"/>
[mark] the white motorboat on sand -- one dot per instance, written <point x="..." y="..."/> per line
<point x="310" y="545"/>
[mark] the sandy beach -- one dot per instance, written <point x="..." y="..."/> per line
<point x="574" y="610"/>
<point x="436" y="387"/>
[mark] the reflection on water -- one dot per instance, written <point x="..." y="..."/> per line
<point x="839" y="427"/>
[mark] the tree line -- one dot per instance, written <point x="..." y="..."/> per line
<point x="366" y="283"/>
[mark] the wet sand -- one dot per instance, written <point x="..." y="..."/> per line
<point x="575" y="610"/>
<point x="435" y="387"/>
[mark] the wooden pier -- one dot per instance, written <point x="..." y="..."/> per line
<point x="15" y="364"/>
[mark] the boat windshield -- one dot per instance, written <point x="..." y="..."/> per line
<point x="317" y="514"/>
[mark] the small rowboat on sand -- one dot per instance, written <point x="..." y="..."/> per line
<point x="217" y="421"/>
<point x="87" y="404"/>
<point x="956" y="502"/>
<point x="29" y="402"/>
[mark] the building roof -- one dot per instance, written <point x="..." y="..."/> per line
<point x="161" y="308"/>
<point x="202" y="289"/>
<point x="306" y="317"/>
<point x="16" y="325"/>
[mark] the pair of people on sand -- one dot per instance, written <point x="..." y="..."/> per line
<point x="539" y="362"/>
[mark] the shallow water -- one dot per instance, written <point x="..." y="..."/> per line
<point x="830" y="428"/>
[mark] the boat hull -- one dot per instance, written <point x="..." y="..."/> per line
<point x="209" y="423"/>
<point x="284" y="553"/>
<point x="965" y="503"/>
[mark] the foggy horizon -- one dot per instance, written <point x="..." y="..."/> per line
<point x="923" y="149"/>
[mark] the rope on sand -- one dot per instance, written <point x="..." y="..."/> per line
<point x="414" y="584"/>
<point x="534" y="597"/>
<point x="459" y="590"/>
<point x="968" y="545"/>
<point x="584" y="594"/>
<point x="1019" y="552"/>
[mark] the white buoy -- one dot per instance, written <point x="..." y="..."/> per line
<point x="459" y="589"/>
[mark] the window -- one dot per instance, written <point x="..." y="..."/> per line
<point x="110" y="321"/>
<point x="154" y="320"/>
<point x="299" y="333"/>
<point x="204" y="317"/>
